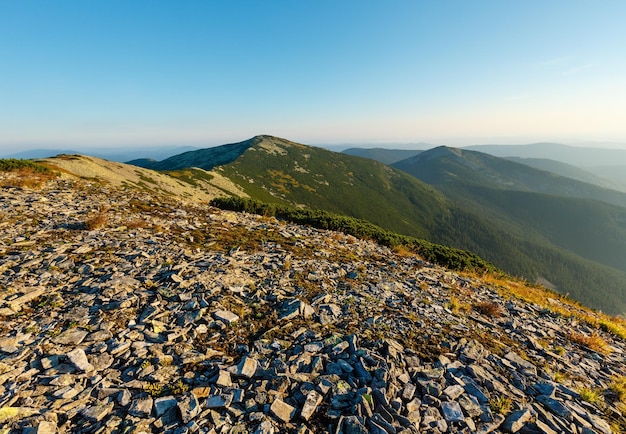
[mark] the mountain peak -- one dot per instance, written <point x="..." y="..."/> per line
<point x="208" y="158"/>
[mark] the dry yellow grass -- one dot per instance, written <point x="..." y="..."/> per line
<point x="594" y="342"/>
<point x="403" y="251"/>
<point x="27" y="177"/>
<point x="487" y="308"/>
<point x="590" y="395"/>
<point x="501" y="405"/>
<point x="137" y="223"/>
<point x="554" y="302"/>
<point x="96" y="221"/>
<point x="457" y="306"/>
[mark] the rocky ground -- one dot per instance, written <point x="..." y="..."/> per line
<point x="125" y="312"/>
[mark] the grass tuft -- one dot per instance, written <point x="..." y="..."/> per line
<point x="97" y="220"/>
<point x="593" y="342"/>
<point x="487" y="308"/>
<point x="501" y="405"/>
<point x="457" y="306"/>
<point x="589" y="395"/>
<point x="618" y="386"/>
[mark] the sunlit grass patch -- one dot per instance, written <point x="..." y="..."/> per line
<point x="593" y="342"/>
<point x="618" y="386"/>
<point x="96" y="221"/>
<point x="25" y="173"/>
<point x="457" y="306"/>
<point x="500" y="405"/>
<point x="589" y="395"/>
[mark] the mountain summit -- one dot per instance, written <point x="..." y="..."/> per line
<point x="208" y="158"/>
<point x="277" y="170"/>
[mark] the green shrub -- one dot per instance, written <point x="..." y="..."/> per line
<point x="13" y="164"/>
<point x="449" y="257"/>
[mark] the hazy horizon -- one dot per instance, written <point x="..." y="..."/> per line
<point x="9" y="151"/>
<point x="117" y="74"/>
<point x="12" y="150"/>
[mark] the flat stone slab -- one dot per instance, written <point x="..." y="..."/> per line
<point x="313" y="400"/>
<point x="452" y="411"/>
<point x="79" y="359"/>
<point x="282" y="410"/>
<point x="247" y="367"/>
<point x="163" y="404"/>
<point x="516" y="420"/>
<point x="97" y="412"/>
<point x="225" y="316"/>
<point x="71" y="337"/>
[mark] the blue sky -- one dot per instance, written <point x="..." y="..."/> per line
<point x="130" y="73"/>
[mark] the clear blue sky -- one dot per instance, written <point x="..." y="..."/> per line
<point x="118" y="73"/>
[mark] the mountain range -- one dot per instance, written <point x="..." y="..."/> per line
<point x="602" y="162"/>
<point x="532" y="223"/>
<point x="602" y="167"/>
<point x="112" y="154"/>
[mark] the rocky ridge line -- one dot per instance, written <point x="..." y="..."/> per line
<point x="185" y="319"/>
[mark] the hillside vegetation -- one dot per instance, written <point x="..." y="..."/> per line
<point x="274" y="170"/>
<point x="385" y="156"/>
<point x="448" y="257"/>
<point x="279" y="171"/>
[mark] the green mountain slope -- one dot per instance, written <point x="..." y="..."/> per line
<point x="279" y="171"/>
<point x="523" y="253"/>
<point x="590" y="229"/>
<point x="385" y="156"/>
<point x="276" y="170"/>
<point x="444" y="165"/>
<point x="573" y="172"/>
<point x="568" y="233"/>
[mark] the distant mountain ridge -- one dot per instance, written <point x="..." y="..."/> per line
<point x="576" y="156"/>
<point x="570" y="171"/>
<point x="444" y="165"/>
<point x="276" y="170"/>
<point x="206" y="158"/>
<point x="385" y="156"/>
<point x="112" y="154"/>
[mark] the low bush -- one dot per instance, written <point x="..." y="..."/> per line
<point x="455" y="259"/>
<point x="25" y="173"/>
<point x="487" y="308"/>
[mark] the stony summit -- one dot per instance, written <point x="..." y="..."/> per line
<point x="122" y="311"/>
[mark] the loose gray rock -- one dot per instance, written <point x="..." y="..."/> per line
<point x="452" y="411"/>
<point x="282" y="410"/>
<point x="247" y="367"/>
<point x="139" y="309"/>
<point x="163" y="404"/>
<point x="97" y="412"/>
<point x="313" y="400"/>
<point x="79" y="359"/>
<point x="225" y="316"/>
<point x="189" y="408"/>
<point x="516" y="420"/>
